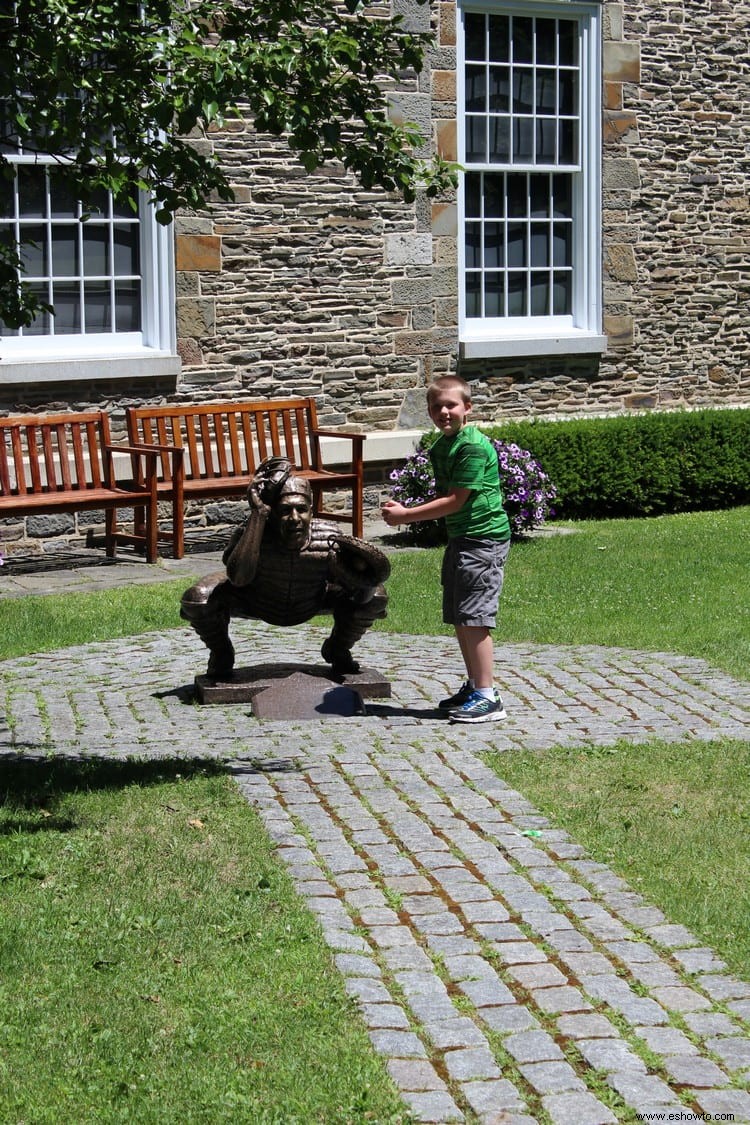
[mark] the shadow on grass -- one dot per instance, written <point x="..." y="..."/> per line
<point x="27" y="783"/>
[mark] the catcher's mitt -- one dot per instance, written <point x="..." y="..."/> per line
<point x="357" y="565"/>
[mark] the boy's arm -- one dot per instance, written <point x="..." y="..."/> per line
<point x="396" y="514"/>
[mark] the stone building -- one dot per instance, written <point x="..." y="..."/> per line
<point x="594" y="259"/>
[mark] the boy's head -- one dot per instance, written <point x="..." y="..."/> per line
<point x="449" y="403"/>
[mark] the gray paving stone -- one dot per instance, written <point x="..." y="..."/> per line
<point x="733" y="1052"/>
<point x="557" y="1000"/>
<point x="395" y="1044"/>
<point x="541" y="974"/>
<point x="492" y="1098"/>
<point x="551" y="1077"/>
<point x="680" y="999"/>
<point x="384" y="1015"/>
<point x="414" y="1074"/>
<point x="459" y="1031"/>
<point x="687" y="1070"/>
<point x="711" y="1023"/>
<point x="717" y="1102"/>
<point x="511" y="1017"/>
<point x="487" y="992"/>
<point x="577" y="1109"/>
<point x="638" y="1090"/>
<point x="471" y="1062"/>
<point x="435" y="1106"/>
<point x="587" y="1026"/>
<point x="532" y="1046"/>
<point x="610" y="1055"/>
<point x="666" y="1040"/>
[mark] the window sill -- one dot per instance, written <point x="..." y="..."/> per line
<point x="89" y="369"/>
<point x="568" y="343"/>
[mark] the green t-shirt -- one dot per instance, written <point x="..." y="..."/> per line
<point x="469" y="460"/>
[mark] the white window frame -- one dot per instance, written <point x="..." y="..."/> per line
<point x="548" y="335"/>
<point x="146" y="354"/>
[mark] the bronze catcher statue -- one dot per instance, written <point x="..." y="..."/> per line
<point x="284" y="567"/>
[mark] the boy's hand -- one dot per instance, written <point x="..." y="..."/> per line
<point x="393" y="513"/>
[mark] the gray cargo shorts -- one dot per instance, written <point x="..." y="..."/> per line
<point x="472" y="578"/>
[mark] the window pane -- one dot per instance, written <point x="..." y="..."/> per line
<point x="473" y="294"/>
<point x="41" y="325"/>
<point x="474" y="35"/>
<point x="517" y="201"/>
<point x="546" y="39"/>
<point x="65" y="261"/>
<point x="6" y="197"/>
<point x="523" y="140"/>
<point x="473" y="245"/>
<point x="98" y="307"/>
<point x="499" y="89"/>
<point x="33" y="251"/>
<point x="128" y="307"/>
<point x="567" y="38"/>
<point x="568" y="86"/>
<point x="561" y="196"/>
<point x="67" y="304"/>
<point x="95" y="250"/>
<point x="562" y="301"/>
<point x="523" y="39"/>
<point x="517" y="249"/>
<point x="127" y="249"/>
<point x="494" y="250"/>
<point x="517" y="305"/>
<point x="546" y="91"/>
<point x="500" y="139"/>
<point x="568" y="153"/>
<point x="546" y="135"/>
<point x="32" y="191"/>
<point x="472" y="197"/>
<point x="523" y="90"/>
<point x="63" y="204"/>
<point x="500" y="38"/>
<point x="562" y="241"/>
<point x="494" y="196"/>
<point x="539" y="196"/>
<point x="494" y="295"/>
<point x="476" y="144"/>
<point x="540" y="293"/>
<point x="539" y="245"/>
<point x="476" y="89"/>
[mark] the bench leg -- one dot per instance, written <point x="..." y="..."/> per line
<point x="110" y="533"/>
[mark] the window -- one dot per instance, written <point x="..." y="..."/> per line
<point x="529" y="143"/>
<point x="109" y="278"/>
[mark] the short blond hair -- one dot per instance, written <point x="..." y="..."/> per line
<point x="446" y="382"/>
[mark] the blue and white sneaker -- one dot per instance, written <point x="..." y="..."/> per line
<point x="479" y="709"/>
<point x="457" y="700"/>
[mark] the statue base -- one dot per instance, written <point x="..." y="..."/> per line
<point x="294" y="691"/>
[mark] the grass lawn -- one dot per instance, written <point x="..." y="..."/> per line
<point x="157" y="965"/>
<point x="153" y="952"/>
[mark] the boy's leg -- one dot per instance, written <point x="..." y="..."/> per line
<point x="475" y="642"/>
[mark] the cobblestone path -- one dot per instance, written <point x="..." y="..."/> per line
<point x="504" y="976"/>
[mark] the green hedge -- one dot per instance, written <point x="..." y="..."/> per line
<point x="643" y="465"/>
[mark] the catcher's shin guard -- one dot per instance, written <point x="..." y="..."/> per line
<point x="211" y="623"/>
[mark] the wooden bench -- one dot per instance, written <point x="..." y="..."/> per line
<point x="223" y="443"/>
<point x="66" y="463"/>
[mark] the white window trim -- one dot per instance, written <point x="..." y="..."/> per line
<point x="542" y="335"/>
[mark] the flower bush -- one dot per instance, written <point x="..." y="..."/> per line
<point x="527" y="490"/>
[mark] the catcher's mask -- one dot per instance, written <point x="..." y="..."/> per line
<point x="274" y="477"/>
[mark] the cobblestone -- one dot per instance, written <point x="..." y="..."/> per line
<point x="502" y="943"/>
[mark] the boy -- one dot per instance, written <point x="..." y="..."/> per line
<point x="468" y="486"/>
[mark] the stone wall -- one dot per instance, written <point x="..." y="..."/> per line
<point x="309" y="285"/>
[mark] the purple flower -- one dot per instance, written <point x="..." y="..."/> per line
<point x="527" y="489"/>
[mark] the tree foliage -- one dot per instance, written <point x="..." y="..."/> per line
<point x="123" y="96"/>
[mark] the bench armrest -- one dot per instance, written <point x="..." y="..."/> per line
<point x="150" y="454"/>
